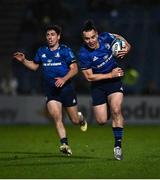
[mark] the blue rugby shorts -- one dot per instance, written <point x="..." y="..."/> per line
<point x="65" y="94"/>
<point x="101" y="89"/>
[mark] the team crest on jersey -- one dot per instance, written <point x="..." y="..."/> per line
<point x="57" y="55"/>
<point x="43" y="55"/>
<point x="107" y="46"/>
<point x="95" y="58"/>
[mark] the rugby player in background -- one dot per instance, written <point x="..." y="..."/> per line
<point x="59" y="67"/>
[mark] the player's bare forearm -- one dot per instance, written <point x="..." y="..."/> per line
<point x="97" y="77"/>
<point x="90" y="76"/>
<point x="72" y="72"/>
<point x="30" y="64"/>
<point x="60" y="81"/>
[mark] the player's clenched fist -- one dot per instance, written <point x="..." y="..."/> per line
<point x="117" y="72"/>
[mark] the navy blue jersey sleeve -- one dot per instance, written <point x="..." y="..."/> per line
<point x="107" y="37"/>
<point x="84" y="61"/>
<point x="37" y="58"/>
<point x="69" y="55"/>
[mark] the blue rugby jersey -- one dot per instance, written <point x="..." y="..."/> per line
<point x="54" y="63"/>
<point x="100" y="60"/>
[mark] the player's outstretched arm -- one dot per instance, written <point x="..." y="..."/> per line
<point x="116" y="72"/>
<point x="19" y="56"/>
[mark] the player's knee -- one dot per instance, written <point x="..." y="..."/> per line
<point x="102" y="121"/>
<point x="116" y="112"/>
<point x="56" y="118"/>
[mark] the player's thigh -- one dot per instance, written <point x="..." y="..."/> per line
<point x="100" y="112"/>
<point x="115" y="101"/>
<point x="55" y="109"/>
<point x="73" y="113"/>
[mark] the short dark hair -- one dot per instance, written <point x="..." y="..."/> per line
<point x="54" y="27"/>
<point x="89" y="25"/>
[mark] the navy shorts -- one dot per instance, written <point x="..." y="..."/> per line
<point x="101" y="89"/>
<point x="66" y="94"/>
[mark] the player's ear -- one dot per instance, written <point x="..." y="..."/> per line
<point x="96" y="35"/>
<point x="59" y="36"/>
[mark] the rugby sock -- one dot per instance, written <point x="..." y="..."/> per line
<point x="64" y="141"/>
<point x="118" y="134"/>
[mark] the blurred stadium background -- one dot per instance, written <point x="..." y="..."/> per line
<point x="27" y="151"/>
<point x="21" y="28"/>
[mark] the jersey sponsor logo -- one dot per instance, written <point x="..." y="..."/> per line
<point x="95" y="58"/>
<point x="105" y="61"/>
<point x="57" y="55"/>
<point x="52" y="64"/>
<point x="43" y="55"/>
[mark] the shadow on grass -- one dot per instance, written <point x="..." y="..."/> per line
<point x="30" y="155"/>
<point x="61" y="163"/>
<point x="39" y="157"/>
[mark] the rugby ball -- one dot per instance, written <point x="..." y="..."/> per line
<point x="117" y="46"/>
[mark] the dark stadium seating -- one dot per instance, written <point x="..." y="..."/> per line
<point x="138" y="21"/>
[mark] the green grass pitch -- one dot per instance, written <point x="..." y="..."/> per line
<point x="33" y="152"/>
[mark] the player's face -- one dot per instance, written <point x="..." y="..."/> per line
<point x="91" y="39"/>
<point x="52" y="38"/>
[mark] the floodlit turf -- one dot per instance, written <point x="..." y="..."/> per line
<point x="32" y="152"/>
